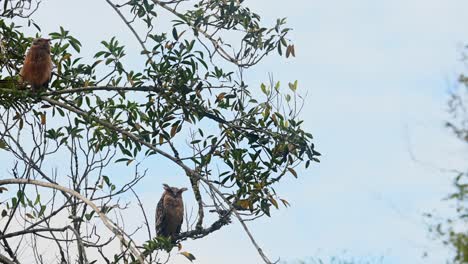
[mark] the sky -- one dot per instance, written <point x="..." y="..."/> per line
<point x="376" y="74"/>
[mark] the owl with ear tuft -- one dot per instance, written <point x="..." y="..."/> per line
<point x="170" y="212"/>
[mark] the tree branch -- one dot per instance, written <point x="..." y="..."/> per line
<point x="190" y="173"/>
<point x="131" y="29"/>
<point x="219" y="49"/>
<point x="81" y="250"/>
<point x="105" y="220"/>
<point x="199" y="233"/>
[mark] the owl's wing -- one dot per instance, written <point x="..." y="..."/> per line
<point x="160" y="218"/>
<point x="49" y="72"/>
<point x="180" y="224"/>
<point x="46" y="84"/>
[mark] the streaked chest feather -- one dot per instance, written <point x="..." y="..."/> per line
<point x="174" y="211"/>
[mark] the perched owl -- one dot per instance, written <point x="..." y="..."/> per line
<point x="37" y="66"/>
<point x="170" y="212"/>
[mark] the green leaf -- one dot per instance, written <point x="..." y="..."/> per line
<point x="89" y="216"/>
<point x="277" y="86"/>
<point x="264" y="89"/>
<point x="174" y="33"/>
<point x="106" y="180"/>
<point x="41" y="212"/>
<point x="280" y="52"/>
<point x="293" y="86"/>
<point x="75" y="44"/>
<point x="38" y="199"/>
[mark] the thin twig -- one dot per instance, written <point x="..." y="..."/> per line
<point x="188" y="170"/>
<point x="105" y="220"/>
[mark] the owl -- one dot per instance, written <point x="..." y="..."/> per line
<point x="37" y="66"/>
<point x="170" y="212"/>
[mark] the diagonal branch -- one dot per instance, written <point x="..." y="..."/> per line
<point x="105" y="220"/>
<point x="190" y="173"/>
<point x="131" y="29"/>
<point x="199" y="233"/>
<point x="116" y="129"/>
<point x="218" y="48"/>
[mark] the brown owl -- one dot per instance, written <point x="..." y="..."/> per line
<point x="170" y="212"/>
<point x="37" y="66"/>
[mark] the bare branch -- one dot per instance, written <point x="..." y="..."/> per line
<point x="105" y="220"/>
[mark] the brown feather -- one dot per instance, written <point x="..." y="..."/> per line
<point x="37" y="66"/>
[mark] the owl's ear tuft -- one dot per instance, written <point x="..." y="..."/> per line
<point x="166" y="187"/>
<point x="181" y="190"/>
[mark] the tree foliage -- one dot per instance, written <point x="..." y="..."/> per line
<point x="452" y="230"/>
<point x="188" y="103"/>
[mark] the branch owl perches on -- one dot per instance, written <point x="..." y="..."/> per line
<point x="102" y="109"/>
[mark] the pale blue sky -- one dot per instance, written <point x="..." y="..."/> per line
<point x="376" y="74"/>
